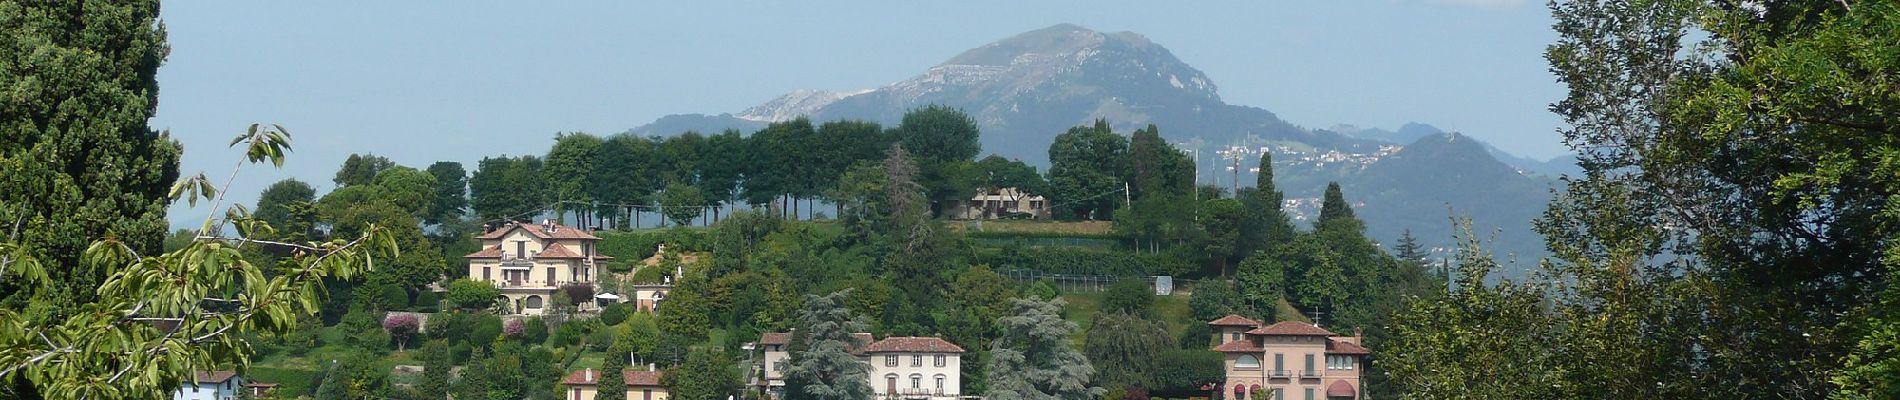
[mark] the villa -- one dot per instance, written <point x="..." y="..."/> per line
<point x="1288" y="360"/>
<point x="533" y="263"/>
<point x="906" y="367"/>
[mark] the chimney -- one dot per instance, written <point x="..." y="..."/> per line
<point x="589" y="375"/>
<point x="649" y="367"/>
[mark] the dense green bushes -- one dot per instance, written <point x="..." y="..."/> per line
<point x="633" y="246"/>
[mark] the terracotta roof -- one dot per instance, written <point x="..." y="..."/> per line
<point x="560" y="232"/>
<point x="1341" y="389"/>
<point x="1291" y="328"/>
<point x="775" y="338"/>
<point x="490" y="252"/>
<point x="556" y="251"/>
<point x="1240" y="346"/>
<point x="1234" y="320"/>
<point x="1344" y="347"/>
<point x="912" y="344"/>
<point x="265" y="385"/>
<point x="633" y="377"/>
<point x="213" y="376"/>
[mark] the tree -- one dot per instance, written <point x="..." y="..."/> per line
<point x="407" y="188"/>
<point x="1128" y="296"/>
<point x="824" y="368"/>
<point x="335" y="384"/>
<point x="77" y="157"/>
<point x="622" y="177"/>
<point x="1496" y="336"/>
<point x="472" y="295"/>
<point x="682" y="203"/>
<point x="1186" y="370"/>
<point x="707" y="375"/>
<point x="1156" y="167"/>
<point x="1266" y="225"/>
<point x="1032" y="359"/>
<point x="1126" y="347"/>
<point x="613" y="381"/>
<point x="1263" y="280"/>
<point x="152" y="323"/>
<point x="1221" y="220"/>
<point x="1333" y="207"/>
<point x="451" y="192"/>
<point x="401" y="327"/>
<point x="361" y="169"/>
<point x="569" y="166"/>
<point x="944" y="140"/>
<point x="435" y="370"/>
<point x="1085" y="166"/>
<point x="1213" y="299"/>
<point x="507" y="189"/>
<point x="275" y="206"/>
<point x="722" y="168"/>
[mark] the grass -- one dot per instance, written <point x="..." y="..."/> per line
<point x="1171" y="310"/>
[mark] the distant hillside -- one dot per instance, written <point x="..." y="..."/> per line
<point x="1026" y="89"/>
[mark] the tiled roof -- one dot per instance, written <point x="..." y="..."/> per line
<point x="556" y="251"/>
<point x="214" y="376"/>
<point x="1238" y="346"/>
<point x="633" y="377"/>
<point x="775" y="338"/>
<point x="1291" y="328"/>
<point x="864" y="338"/>
<point x="490" y="252"/>
<point x="560" y="232"/>
<point x="1340" y="389"/>
<point x="912" y="344"/>
<point x="1344" y="347"/>
<point x="1234" y="320"/>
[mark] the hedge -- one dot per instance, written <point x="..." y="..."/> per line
<point x="633" y="246"/>
<point x="290" y="382"/>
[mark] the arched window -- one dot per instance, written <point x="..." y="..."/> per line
<point x="890" y="383"/>
<point x="939" y="383"/>
<point x="1247" y="361"/>
<point x="534" y="301"/>
<point x="916" y="381"/>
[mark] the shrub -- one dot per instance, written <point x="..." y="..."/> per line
<point x="487" y="329"/>
<point x="513" y="329"/>
<point x="427" y="301"/>
<point x="600" y="339"/>
<point x="1129" y="296"/>
<point x="472" y="295"/>
<point x="537" y="330"/>
<point x="615" y="314"/>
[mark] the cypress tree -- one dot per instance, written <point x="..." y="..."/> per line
<point x="613" y="381"/>
<point x="1334" y="207"/>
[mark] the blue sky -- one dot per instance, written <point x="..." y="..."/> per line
<point x="425" y="81"/>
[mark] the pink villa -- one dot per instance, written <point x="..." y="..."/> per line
<point x="1287" y="360"/>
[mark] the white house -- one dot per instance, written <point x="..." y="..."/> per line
<point x="907" y="367"/>
<point x="531" y="263"/>
<point x="213" y="385"/>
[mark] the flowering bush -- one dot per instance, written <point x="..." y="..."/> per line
<point x="512" y="328"/>
<point x="401" y="326"/>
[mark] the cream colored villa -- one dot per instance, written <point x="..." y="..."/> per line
<point x="999" y="203"/>
<point x="531" y="262"/>
<point x="1288" y="360"/>
<point x="904" y="367"/>
<point x="641" y="385"/>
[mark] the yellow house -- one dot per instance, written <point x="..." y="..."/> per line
<point x="641" y="385"/>
<point x="1287" y="360"/>
<point x="530" y="263"/>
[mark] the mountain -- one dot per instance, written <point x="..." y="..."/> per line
<point x="1026" y="89"/>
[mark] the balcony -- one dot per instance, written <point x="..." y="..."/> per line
<point x="918" y="393"/>
<point x="1279" y="373"/>
<point x="1311" y="374"/>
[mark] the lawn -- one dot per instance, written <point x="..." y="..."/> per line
<point x="1084" y="306"/>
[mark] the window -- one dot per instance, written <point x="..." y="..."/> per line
<point x="916" y="381"/>
<point x="916" y="361"/>
<point x="646" y="394"/>
<point x="550" y="277"/>
<point x="1279" y="361"/>
<point x="939" y="383"/>
<point x="890" y="361"/>
<point x="940" y="360"/>
<point x="1246" y="361"/>
<point x="890" y="383"/>
<point x="1309" y="362"/>
<point x="1338" y="362"/>
<point x="1309" y="393"/>
<point x="485" y="275"/>
<point x="521" y="248"/>
<point x="1279" y="394"/>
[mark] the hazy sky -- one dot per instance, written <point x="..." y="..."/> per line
<point x="420" y="82"/>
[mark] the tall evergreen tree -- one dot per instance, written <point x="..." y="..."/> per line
<point x="77" y="158"/>
<point x="1333" y="207"/>
<point x="1032" y="359"/>
<point x="721" y="169"/>
<point x="435" y="370"/>
<point x="1156" y="167"/>
<point x="451" y="192"/>
<point x="1266" y="224"/>
<point x="622" y="176"/>
<point x="825" y="368"/>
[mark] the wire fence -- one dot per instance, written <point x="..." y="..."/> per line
<point x="1163" y="285"/>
